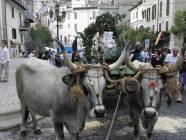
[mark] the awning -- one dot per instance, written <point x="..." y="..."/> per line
<point x="158" y="39"/>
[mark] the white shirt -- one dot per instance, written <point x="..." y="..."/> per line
<point x="4" y="55"/>
<point x="171" y="59"/>
<point x="31" y="55"/>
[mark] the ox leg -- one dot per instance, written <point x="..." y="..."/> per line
<point x="149" y="133"/>
<point x="36" y="128"/>
<point x="24" y="114"/>
<point x="75" y="136"/>
<point x="135" y="121"/>
<point x="58" y="126"/>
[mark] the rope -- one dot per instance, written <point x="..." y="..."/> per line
<point x="114" y="116"/>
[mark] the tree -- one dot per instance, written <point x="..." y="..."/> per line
<point x="179" y="28"/>
<point x="104" y="22"/>
<point x="40" y="38"/>
<point x="134" y="36"/>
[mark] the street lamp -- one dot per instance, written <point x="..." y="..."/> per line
<point x="58" y="17"/>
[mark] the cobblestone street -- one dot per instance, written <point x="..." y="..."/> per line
<point x="170" y="126"/>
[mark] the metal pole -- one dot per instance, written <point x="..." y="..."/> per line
<point x="57" y="28"/>
<point x="158" y="15"/>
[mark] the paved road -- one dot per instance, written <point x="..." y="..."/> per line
<point x="9" y="101"/>
<point x="170" y="126"/>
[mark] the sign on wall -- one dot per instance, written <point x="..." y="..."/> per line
<point x="147" y="43"/>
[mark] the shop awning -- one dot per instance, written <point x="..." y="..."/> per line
<point x="158" y="38"/>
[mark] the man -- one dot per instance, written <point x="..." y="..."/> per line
<point x="4" y="61"/>
<point x="171" y="59"/>
<point x="12" y="49"/>
<point x="138" y="54"/>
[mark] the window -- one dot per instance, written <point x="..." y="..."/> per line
<point x="14" y="36"/>
<point x="148" y="14"/>
<point x="61" y="38"/>
<point x="20" y="18"/>
<point x="69" y="26"/>
<point x="153" y="12"/>
<point x="75" y="15"/>
<point x="167" y="7"/>
<point x="167" y="26"/>
<point x="161" y="8"/>
<point x="12" y="12"/>
<point x="21" y="38"/>
<point x="75" y="27"/>
<point x="68" y="15"/>
<point x="145" y="14"/>
<point x="159" y="27"/>
<point x="136" y="14"/>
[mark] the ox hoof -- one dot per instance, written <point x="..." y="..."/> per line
<point x="23" y="133"/>
<point x="149" y="135"/>
<point x="37" y="132"/>
<point x="136" y="138"/>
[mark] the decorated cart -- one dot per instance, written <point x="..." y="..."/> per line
<point x="110" y="56"/>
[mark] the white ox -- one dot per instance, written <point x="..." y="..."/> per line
<point x="43" y="89"/>
<point x="144" y="92"/>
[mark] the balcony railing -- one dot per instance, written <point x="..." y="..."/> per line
<point x="21" y="3"/>
<point x="23" y="28"/>
<point x="29" y="16"/>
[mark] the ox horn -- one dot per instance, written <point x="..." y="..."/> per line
<point x="122" y="79"/>
<point x="130" y="64"/>
<point x="121" y="59"/>
<point x="67" y="61"/>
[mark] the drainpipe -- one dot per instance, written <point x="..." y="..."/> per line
<point x="158" y="15"/>
<point x="137" y="18"/>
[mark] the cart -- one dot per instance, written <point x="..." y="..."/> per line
<point x="110" y="57"/>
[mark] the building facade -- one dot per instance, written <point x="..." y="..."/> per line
<point x="79" y="14"/>
<point x="158" y="15"/>
<point x="15" y="19"/>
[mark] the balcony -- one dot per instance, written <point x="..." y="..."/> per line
<point x="29" y="17"/>
<point x="23" y="28"/>
<point x="21" y="3"/>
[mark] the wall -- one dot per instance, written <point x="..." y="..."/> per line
<point x="1" y="33"/>
<point x="174" y="5"/>
<point x="84" y="18"/>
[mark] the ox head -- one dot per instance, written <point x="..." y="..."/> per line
<point x="149" y="97"/>
<point x="151" y="88"/>
<point x="93" y="80"/>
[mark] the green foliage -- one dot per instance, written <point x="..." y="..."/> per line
<point x="40" y="38"/>
<point x="134" y="36"/>
<point x="179" y="28"/>
<point x="104" y="22"/>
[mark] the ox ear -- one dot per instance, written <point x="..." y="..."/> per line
<point x="69" y="79"/>
<point x="131" y="86"/>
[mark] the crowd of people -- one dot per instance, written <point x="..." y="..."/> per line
<point x="55" y="58"/>
<point x="162" y="57"/>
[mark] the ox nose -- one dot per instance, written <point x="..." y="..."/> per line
<point x="150" y="112"/>
<point x="99" y="111"/>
